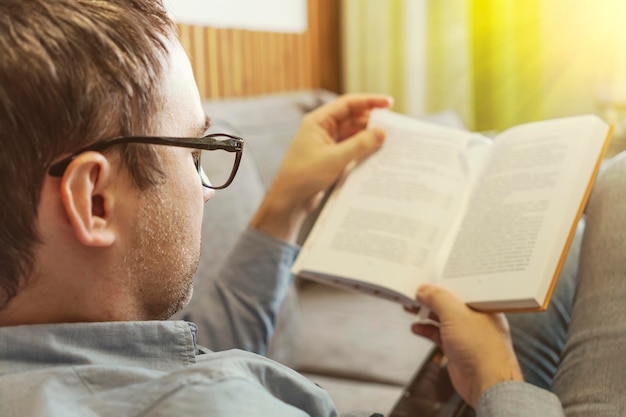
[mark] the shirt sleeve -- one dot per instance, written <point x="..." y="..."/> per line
<point x="518" y="399"/>
<point x="239" y="308"/>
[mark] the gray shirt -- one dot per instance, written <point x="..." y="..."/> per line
<point x="158" y="369"/>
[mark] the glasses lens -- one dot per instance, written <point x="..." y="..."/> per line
<point x="217" y="166"/>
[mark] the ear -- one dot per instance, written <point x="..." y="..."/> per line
<point x="86" y="195"/>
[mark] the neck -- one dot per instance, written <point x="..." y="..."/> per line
<point x="63" y="299"/>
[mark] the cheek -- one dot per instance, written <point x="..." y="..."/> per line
<point x="193" y="190"/>
<point x="186" y="187"/>
<point x="188" y="203"/>
<point x="188" y="177"/>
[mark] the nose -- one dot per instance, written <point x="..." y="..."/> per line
<point x="207" y="193"/>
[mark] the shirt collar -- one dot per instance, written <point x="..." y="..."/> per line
<point x="158" y="345"/>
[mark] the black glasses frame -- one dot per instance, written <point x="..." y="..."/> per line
<point x="208" y="142"/>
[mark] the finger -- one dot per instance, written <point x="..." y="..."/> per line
<point x="441" y="302"/>
<point x="427" y="331"/>
<point x="360" y="145"/>
<point x="352" y="126"/>
<point x="351" y="105"/>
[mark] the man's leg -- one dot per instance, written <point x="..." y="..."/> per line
<point x="539" y="338"/>
<point x="591" y="379"/>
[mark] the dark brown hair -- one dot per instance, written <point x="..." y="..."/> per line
<point x="72" y="72"/>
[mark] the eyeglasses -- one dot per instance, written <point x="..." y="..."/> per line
<point x="220" y="167"/>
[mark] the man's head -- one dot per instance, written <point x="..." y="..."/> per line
<point x="123" y="225"/>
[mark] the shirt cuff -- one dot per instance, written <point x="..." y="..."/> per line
<point x="271" y="242"/>
<point x="517" y="399"/>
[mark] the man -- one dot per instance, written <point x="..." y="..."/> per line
<point x="102" y="131"/>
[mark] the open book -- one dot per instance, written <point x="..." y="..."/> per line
<point x="489" y="220"/>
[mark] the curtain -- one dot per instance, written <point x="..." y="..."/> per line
<point x="505" y="62"/>
<point x="383" y="48"/>
<point x="448" y="59"/>
<point x="496" y="63"/>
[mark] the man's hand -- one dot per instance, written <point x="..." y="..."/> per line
<point x="477" y="345"/>
<point x="329" y="138"/>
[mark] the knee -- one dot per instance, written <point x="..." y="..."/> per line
<point x="610" y="187"/>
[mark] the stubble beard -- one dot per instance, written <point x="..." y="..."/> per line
<point x="163" y="259"/>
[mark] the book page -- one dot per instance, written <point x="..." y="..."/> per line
<point x="519" y="217"/>
<point x="386" y="220"/>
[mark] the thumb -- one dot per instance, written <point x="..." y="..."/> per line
<point x="360" y="145"/>
<point x="441" y="302"/>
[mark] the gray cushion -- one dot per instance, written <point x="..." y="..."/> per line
<point x="352" y="335"/>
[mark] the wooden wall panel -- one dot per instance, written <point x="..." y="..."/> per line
<point x="238" y="63"/>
